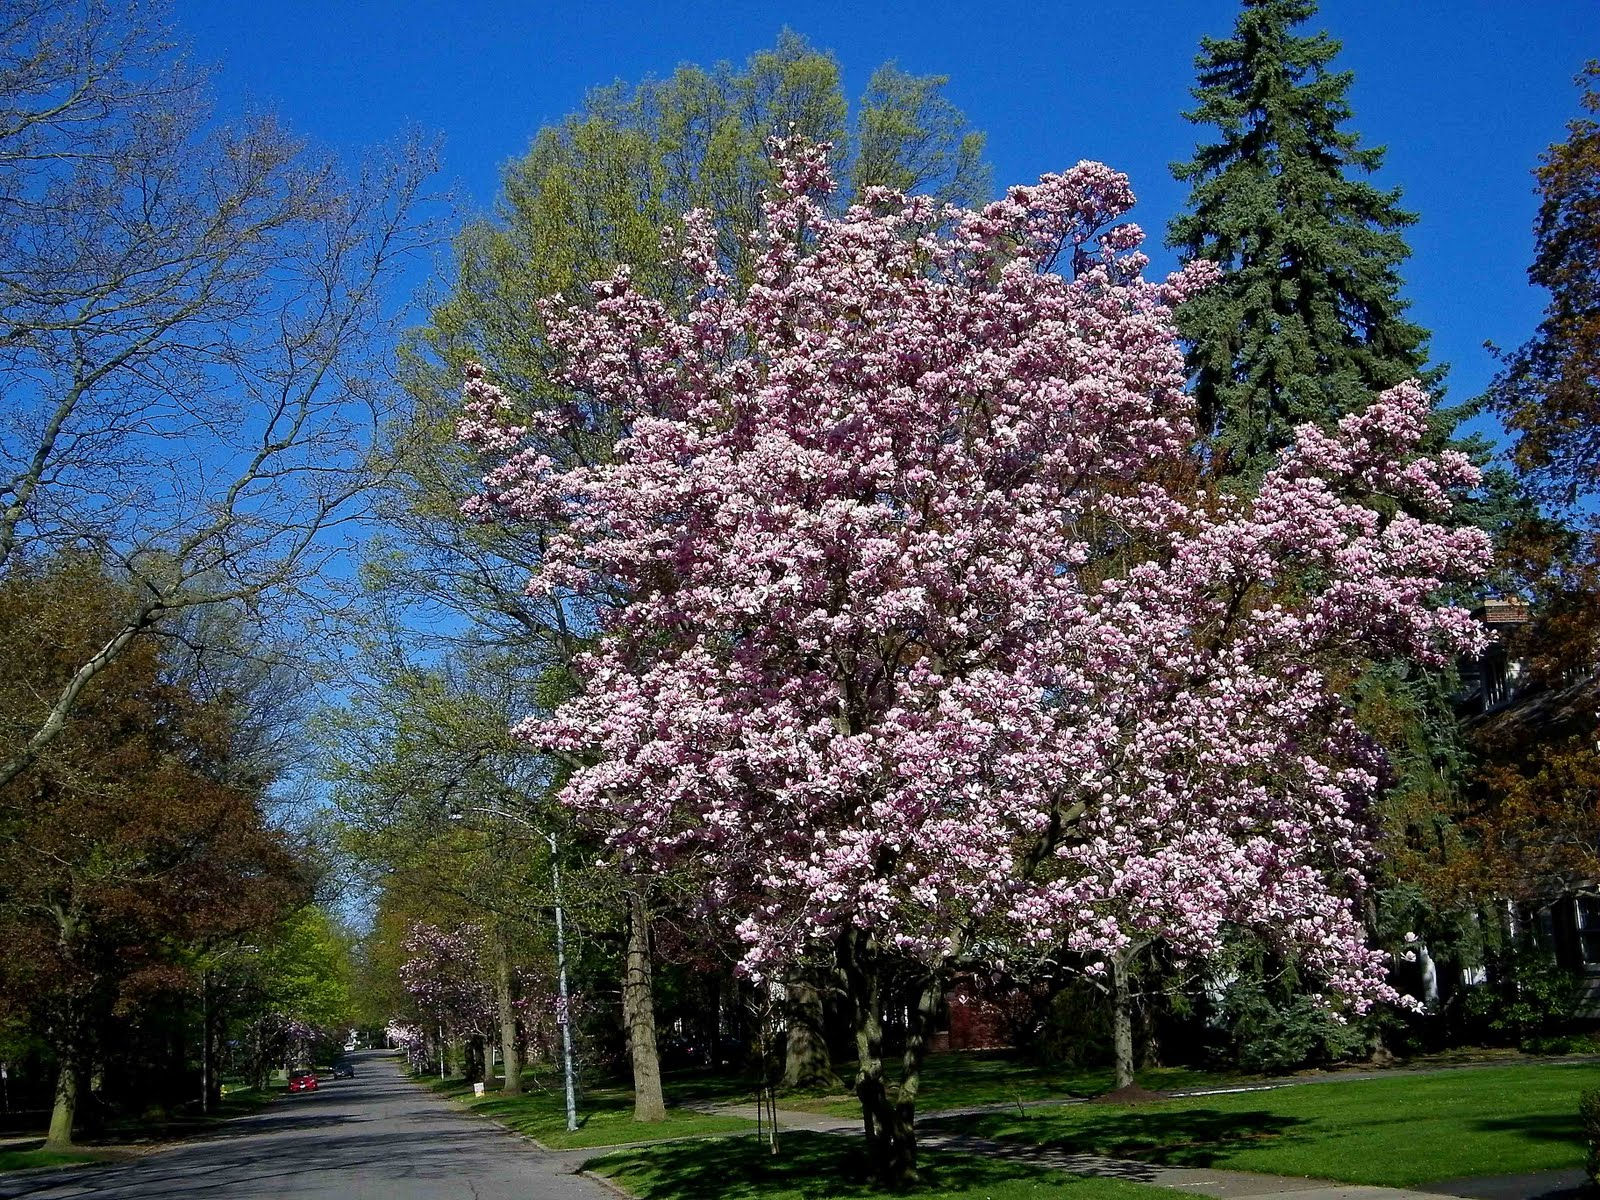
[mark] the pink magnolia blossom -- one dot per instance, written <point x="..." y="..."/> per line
<point x="924" y="628"/>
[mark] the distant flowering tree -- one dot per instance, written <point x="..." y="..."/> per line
<point x="446" y="978"/>
<point x="449" y="976"/>
<point x="411" y="1041"/>
<point x="279" y="1040"/>
<point x="919" y="640"/>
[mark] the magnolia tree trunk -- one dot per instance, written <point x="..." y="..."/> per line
<point x="1122" y="1020"/>
<point x="714" y="1023"/>
<point x="639" y="1016"/>
<point x="806" y="1063"/>
<point x="890" y="1124"/>
<point x="505" y="1002"/>
<point x="1377" y="1047"/>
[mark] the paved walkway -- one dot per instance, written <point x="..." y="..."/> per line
<point x="1534" y="1185"/>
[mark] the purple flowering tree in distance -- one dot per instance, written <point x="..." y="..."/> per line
<point x="446" y="979"/>
<point x="919" y="639"/>
<point x="411" y="1041"/>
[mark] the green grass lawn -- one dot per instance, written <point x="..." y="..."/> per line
<point x="814" y="1166"/>
<point x="1395" y="1131"/>
<point x="18" y="1160"/>
<point x="605" y="1115"/>
<point x="965" y="1078"/>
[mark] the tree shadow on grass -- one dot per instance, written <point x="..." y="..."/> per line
<point x="699" y="1085"/>
<point x="814" y="1166"/>
<point x="1537" y="1127"/>
<point x="1183" y="1138"/>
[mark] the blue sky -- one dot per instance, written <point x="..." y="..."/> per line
<point x="1465" y="93"/>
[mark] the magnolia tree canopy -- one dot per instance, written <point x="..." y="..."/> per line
<point x="445" y="979"/>
<point x="449" y="976"/>
<point x="916" y="627"/>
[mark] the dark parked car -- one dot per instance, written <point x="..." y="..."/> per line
<point x="343" y="1070"/>
<point x="302" y="1081"/>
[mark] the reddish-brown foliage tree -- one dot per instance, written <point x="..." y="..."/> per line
<point x="1549" y="392"/>
<point x="119" y="848"/>
<point x="1536" y="815"/>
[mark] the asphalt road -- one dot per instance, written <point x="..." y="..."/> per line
<point x="374" y="1137"/>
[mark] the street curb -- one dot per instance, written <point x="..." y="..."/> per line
<point x="610" y="1185"/>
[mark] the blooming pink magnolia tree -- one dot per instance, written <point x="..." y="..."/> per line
<point x="927" y="644"/>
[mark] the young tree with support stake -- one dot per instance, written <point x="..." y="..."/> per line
<point x="930" y="644"/>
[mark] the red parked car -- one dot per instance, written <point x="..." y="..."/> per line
<point x="302" y="1081"/>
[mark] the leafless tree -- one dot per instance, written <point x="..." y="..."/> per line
<point x="193" y="346"/>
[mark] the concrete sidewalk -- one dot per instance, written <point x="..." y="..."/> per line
<point x="1204" y="1181"/>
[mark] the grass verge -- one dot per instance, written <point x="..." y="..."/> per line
<point x="21" y="1160"/>
<point x="814" y="1166"/>
<point x="1395" y="1132"/>
<point x="605" y="1116"/>
<point x="125" y="1136"/>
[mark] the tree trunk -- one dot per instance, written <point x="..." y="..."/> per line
<point x="65" y="1112"/>
<point x="505" y="1001"/>
<point x="1377" y="1046"/>
<point x="639" y="1016"/>
<point x="216" y="1017"/>
<point x="205" y="1046"/>
<point x="806" y="1063"/>
<point x="1122" y="1020"/>
<point x="890" y="1125"/>
<point x="714" y="1023"/>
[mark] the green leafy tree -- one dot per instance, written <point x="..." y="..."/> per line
<point x="1308" y="323"/>
<point x="446" y="812"/>
<point x="308" y="969"/>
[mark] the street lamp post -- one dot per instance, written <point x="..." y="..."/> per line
<point x="564" y="1015"/>
<point x="563" y="1012"/>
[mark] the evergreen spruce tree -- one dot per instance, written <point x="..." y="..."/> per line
<point x="1308" y="325"/>
<point x="1308" y="322"/>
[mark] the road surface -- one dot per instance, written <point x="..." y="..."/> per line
<point x="374" y="1137"/>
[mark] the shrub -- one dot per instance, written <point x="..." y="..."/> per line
<point x="1589" y="1115"/>
<point x="1533" y="1001"/>
<point x="1275" y="1033"/>
<point x="1076" y="1029"/>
